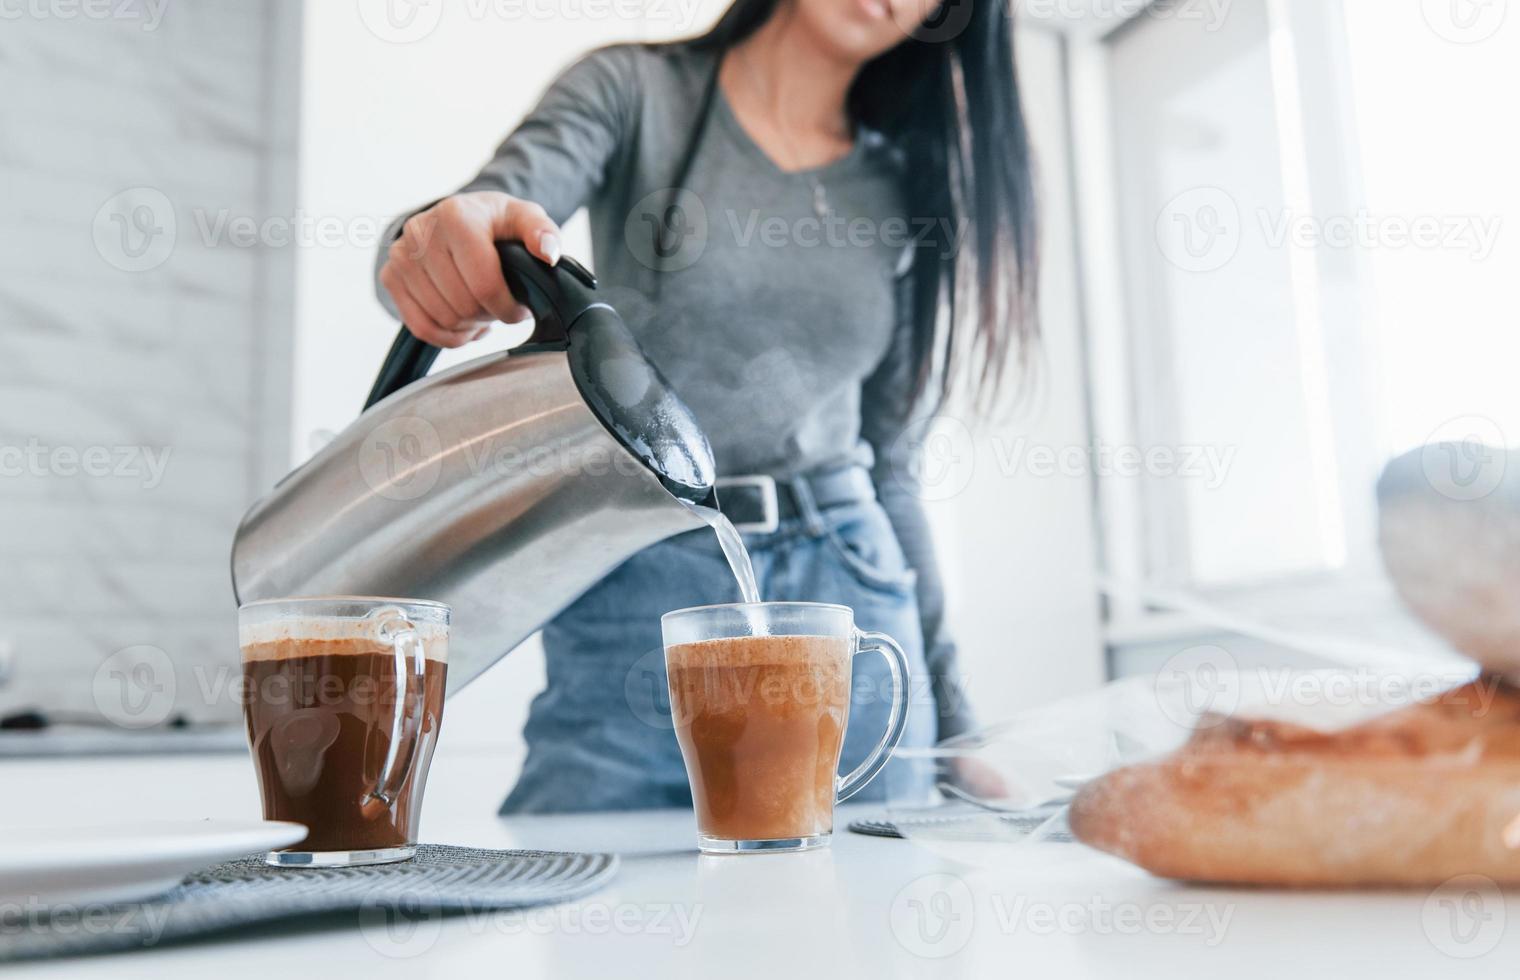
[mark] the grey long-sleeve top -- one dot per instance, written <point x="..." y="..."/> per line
<point x="772" y="301"/>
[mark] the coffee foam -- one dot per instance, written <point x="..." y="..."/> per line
<point x="757" y="651"/>
<point x="284" y="639"/>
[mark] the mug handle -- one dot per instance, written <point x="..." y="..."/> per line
<point x="897" y="720"/>
<point x="398" y="764"/>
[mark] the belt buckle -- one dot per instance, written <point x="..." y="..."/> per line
<point x="770" y="507"/>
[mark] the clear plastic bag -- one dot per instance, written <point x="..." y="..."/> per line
<point x="1007" y="786"/>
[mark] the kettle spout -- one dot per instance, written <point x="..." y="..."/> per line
<point x="710" y="500"/>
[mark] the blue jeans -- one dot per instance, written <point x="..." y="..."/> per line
<point x="599" y="735"/>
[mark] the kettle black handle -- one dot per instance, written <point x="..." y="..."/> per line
<point x="555" y="295"/>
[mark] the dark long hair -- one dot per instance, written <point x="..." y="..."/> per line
<point x="948" y="97"/>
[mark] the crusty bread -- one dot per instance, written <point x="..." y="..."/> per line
<point x="1412" y="798"/>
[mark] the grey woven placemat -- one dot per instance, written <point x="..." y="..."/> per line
<point x="954" y="823"/>
<point x="440" y="880"/>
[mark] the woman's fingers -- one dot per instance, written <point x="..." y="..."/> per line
<point x="417" y="321"/>
<point x="528" y="223"/>
<point x="412" y="315"/>
<point x="444" y="272"/>
<point x="465" y="333"/>
<point x="426" y="295"/>
<point x="480" y="270"/>
<point x="548" y="247"/>
<point x="445" y="277"/>
<point x="402" y="255"/>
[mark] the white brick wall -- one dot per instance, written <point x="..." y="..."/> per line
<point x="190" y="358"/>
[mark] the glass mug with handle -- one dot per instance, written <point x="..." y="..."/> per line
<point x="760" y="698"/>
<point x="343" y="697"/>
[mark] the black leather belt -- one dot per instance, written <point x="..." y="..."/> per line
<point x="758" y="504"/>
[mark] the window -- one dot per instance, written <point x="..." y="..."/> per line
<point x="1306" y="273"/>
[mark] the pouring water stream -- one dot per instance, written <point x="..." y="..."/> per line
<point x="738" y="557"/>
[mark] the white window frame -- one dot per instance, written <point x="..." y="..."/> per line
<point x="1135" y="535"/>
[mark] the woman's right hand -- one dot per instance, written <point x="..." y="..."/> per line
<point x="443" y="271"/>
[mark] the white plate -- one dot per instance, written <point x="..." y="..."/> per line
<point x="124" y="861"/>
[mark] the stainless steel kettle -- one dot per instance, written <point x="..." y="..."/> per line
<point x="505" y="487"/>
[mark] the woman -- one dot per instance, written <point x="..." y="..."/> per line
<point x="780" y="209"/>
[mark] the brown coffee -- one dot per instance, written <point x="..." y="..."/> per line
<point x="320" y="711"/>
<point x="761" y="720"/>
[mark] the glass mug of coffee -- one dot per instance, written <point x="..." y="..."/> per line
<point x="760" y="697"/>
<point x="343" y="696"/>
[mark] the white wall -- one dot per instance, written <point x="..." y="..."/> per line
<point x="131" y="134"/>
<point x="1018" y="542"/>
<point x="387" y="126"/>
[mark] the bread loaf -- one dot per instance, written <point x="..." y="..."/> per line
<point x="1411" y="798"/>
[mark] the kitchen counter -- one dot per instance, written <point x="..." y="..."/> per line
<point x="867" y="907"/>
<point x="67" y="740"/>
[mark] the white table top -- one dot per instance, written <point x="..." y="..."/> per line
<point x="867" y="907"/>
